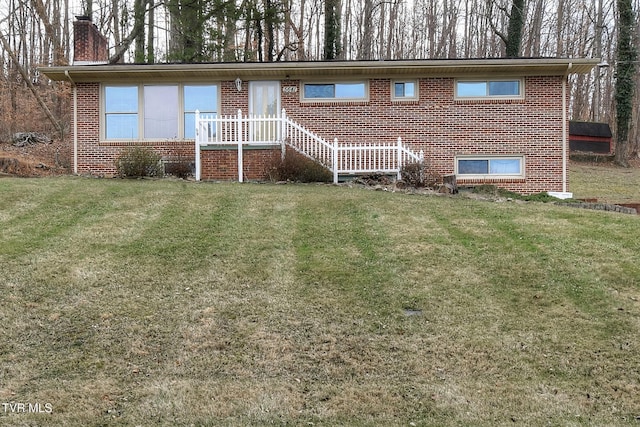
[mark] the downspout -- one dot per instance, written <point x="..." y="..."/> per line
<point x="565" y="141"/>
<point x="75" y="122"/>
<point x="564" y="194"/>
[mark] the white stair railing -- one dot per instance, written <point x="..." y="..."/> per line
<point x="268" y="130"/>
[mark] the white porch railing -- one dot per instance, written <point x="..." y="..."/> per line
<point x="340" y="159"/>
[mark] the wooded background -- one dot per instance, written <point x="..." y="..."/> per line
<point x="37" y="33"/>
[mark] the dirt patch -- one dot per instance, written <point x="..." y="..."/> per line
<point x="35" y="160"/>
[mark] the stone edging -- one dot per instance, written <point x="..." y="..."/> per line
<point x="602" y="207"/>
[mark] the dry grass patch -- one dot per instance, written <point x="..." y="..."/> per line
<point x="261" y="304"/>
<point x="608" y="183"/>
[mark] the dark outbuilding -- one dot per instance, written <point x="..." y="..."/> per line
<point x="590" y="137"/>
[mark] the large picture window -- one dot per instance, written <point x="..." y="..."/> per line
<point x="155" y="111"/>
<point x="161" y="112"/>
<point x="498" y="88"/>
<point x="486" y="166"/>
<point x="335" y="91"/>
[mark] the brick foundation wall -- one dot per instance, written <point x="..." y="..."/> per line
<point x="222" y="164"/>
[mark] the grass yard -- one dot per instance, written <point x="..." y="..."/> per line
<point x="608" y="183"/>
<point x="140" y="303"/>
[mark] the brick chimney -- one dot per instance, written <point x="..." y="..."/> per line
<point x="89" y="46"/>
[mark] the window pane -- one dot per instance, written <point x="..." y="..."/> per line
<point x="398" y="90"/>
<point x="161" y="111"/>
<point x="121" y="99"/>
<point x="319" y="91"/>
<point x="473" y="167"/>
<point x="350" y="90"/>
<point x="410" y="89"/>
<point x="405" y="90"/>
<point x="472" y="89"/>
<point x="505" y="167"/>
<point x="203" y="98"/>
<point x="504" y="88"/>
<point x="121" y="126"/>
<point x="190" y="126"/>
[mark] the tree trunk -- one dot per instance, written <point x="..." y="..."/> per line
<point x="625" y="71"/>
<point x="332" y="48"/>
<point x="515" y="29"/>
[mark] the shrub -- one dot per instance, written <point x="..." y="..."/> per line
<point x="137" y="162"/>
<point x="299" y="168"/>
<point x="179" y="166"/>
<point x="417" y="174"/>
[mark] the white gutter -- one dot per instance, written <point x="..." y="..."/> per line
<point x="565" y="141"/>
<point x="75" y="122"/>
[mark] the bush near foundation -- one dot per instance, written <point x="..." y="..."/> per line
<point x="297" y="167"/>
<point x="138" y="162"/>
<point x="418" y="175"/>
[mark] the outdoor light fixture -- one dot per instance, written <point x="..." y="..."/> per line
<point x="603" y="64"/>
<point x="239" y="84"/>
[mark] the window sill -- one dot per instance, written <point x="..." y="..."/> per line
<point x="332" y="102"/>
<point x="460" y="101"/>
<point x="489" y="180"/>
<point x="145" y="143"/>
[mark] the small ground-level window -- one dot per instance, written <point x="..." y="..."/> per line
<point x="485" y="166"/>
<point x="335" y="91"/>
<point x="404" y="90"/>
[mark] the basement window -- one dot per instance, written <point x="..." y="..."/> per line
<point x="490" y="166"/>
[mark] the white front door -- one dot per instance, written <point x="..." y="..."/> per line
<point x="264" y="102"/>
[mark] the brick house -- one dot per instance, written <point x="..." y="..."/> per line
<point x="488" y="121"/>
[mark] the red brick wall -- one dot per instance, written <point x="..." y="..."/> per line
<point x="89" y="44"/>
<point x="436" y="123"/>
<point x="444" y="127"/>
<point x="222" y="164"/>
<point x="97" y="157"/>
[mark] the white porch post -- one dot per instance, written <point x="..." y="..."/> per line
<point x="239" y="133"/>
<point x="283" y="132"/>
<point x="335" y="160"/>
<point x="399" y="157"/>
<point x="197" y="155"/>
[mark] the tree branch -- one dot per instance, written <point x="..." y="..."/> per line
<point x="25" y="77"/>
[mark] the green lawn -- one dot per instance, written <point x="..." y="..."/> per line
<point x="608" y="183"/>
<point x="172" y="303"/>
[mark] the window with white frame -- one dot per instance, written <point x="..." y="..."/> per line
<point x="490" y="88"/>
<point x="490" y="166"/>
<point x="404" y="90"/>
<point x="334" y="91"/>
<point x="155" y="111"/>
